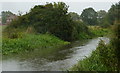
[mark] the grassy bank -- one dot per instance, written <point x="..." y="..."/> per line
<point x="94" y="31"/>
<point x="102" y="59"/>
<point x="19" y="42"/>
<point x="31" y="42"/>
<point x="99" y="31"/>
<point x="96" y="62"/>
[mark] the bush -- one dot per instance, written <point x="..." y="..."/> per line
<point x="102" y="59"/>
<point x="49" y="18"/>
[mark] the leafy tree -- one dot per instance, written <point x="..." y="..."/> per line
<point x="114" y="18"/>
<point x="89" y="16"/>
<point x="113" y="13"/>
<point x="74" y="16"/>
<point x="5" y="14"/>
<point x="101" y="16"/>
<point x="52" y="18"/>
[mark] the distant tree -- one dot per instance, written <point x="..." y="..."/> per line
<point x="113" y="13"/>
<point x="74" y="16"/>
<point x="101" y="16"/>
<point x="89" y="16"/>
<point x="5" y="14"/>
<point x="52" y="18"/>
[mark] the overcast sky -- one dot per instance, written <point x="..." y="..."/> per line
<point x="74" y="5"/>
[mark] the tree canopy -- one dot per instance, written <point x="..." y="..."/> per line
<point x="89" y="16"/>
<point x="113" y="13"/>
<point x="51" y="18"/>
<point x="74" y="16"/>
<point x="5" y="14"/>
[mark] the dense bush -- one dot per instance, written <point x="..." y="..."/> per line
<point x="50" y="18"/>
<point x="115" y="41"/>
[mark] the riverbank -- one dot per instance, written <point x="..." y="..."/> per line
<point x="98" y="31"/>
<point x="60" y="60"/>
<point x="93" y="62"/>
<point x="102" y="59"/>
<point x="30" y="42"/>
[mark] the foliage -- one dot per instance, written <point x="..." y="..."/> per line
<point x="89" y="16"/>
<point x="5" y="14"/>
<point x="99" y="31"/>
<point x="74" y="16"/>
<point x="113" y="13"/>
<point x="30" y="42"/>
<point x="49" y="18"/>
<point x="102" y="18"/>
<point x="115" y="41"/>
<point x="105" y="57"/>
<point x="102" y="59"/>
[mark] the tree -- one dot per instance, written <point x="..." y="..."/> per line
<point x="52" y="18"/>
<point x="116" y="32"/>
<point x="74" y="16"/>
<point x="101" y="16"/>
<point x="113" y="13"/>
<point x="89" y="16"/>
<point x="5" y="14"/>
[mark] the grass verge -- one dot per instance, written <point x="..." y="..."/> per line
<point x="99" y="31"/>
<point x="31" y="42"/>
<point x="102" y="59"/>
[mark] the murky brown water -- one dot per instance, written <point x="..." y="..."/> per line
<point x="61" y="60"/>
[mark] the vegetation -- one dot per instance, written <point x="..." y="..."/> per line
<point x="102" y="59"/>
<point x="75" y="16"/>
<point x="6" y="14"/>
<point x="48" y="27"/>
<point x="99" y="31"/>
<point x="28" y="31"/>
<point x="107" y="56"/>
<point x="89" y="16"/>
<point x="31" y="42"/>
<point x="103" y="19"/>
<point x="50" y="18"/>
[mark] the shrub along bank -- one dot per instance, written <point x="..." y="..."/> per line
<point x="102" y="59"/>
<point x="105" y="57"/>
<point x="28" y="31"/>
<point x="30" y="42"/>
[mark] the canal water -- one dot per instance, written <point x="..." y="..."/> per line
<point x="62" y="60"/>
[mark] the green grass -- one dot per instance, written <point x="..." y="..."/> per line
<point x="99" y="31"/>
<point x="30" y="42"/>
<point x="102" y="59"/>
<point x="83" y="36"/>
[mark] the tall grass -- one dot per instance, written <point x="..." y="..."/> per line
<point x="31" y="42"/>
<point x="102" y="59"/>
<point x="99" y="31"/>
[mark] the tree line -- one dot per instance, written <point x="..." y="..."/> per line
<point x="53" y="18"/>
